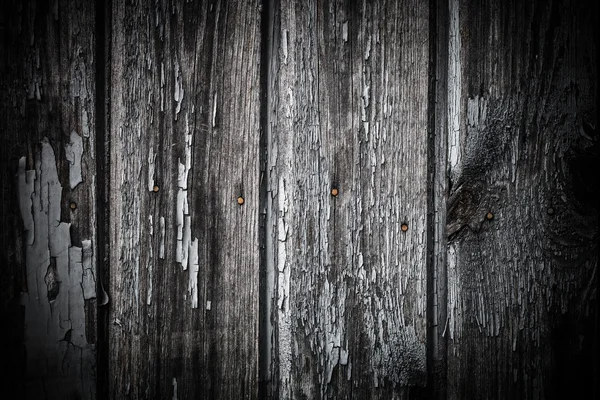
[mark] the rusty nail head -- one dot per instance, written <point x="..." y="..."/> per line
<point x="73" y="205"/>
<point x="240" y="200"/>
<point x="155" y="189"/>
<point x="404" y="227"/>
<point x="550" y="211"/>
<point x="489" y="216"/>
<point x="335" y="192"/>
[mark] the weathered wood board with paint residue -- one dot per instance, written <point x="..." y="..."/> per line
<point x="184" y="146"/>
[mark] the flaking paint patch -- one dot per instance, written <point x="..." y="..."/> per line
<point x="454" y="90"/>
<point x="186" y="252"/>
<point x="74" y="152"/>
<point x="55" y="341"/>
<point x="284" y="323"/>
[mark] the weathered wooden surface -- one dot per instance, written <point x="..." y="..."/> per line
<point x="523" y="146"/>
<point x="47" y="117"/>
<point x="184" y="255"/>
<point x="496" y="275"/>
<point x="347" y="111"/>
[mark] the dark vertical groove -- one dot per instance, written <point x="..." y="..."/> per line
<point x="436" y="202"/>
<point x="431" y="270"/>
<point x="263" y="312"/>
<point x="102" y="183"/>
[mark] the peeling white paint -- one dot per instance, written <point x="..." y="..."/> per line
<point x="60" y="278"/>
<point x="345" y="31"/>
<point x="454" y="90"/>
<point x="193" y="273"/>
<point x="208" y="305"/>
<point x="186" y="251"/>
<point x="161" y="251"/>
<point x="151" y="162"/>
<point x="214" y="113"/>
<point x="74" y="152"/>
<point x="149" y="261"/>
<point x="283" y="288"/>
<point x="178" y="89"/>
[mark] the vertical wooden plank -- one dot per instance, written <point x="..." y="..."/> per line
<point x="348" y="167"/>
<point x="47" y="117"/>
<point x="184" y="260"/>
<point x="522" y="214"/>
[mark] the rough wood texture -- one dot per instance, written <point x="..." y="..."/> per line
<point x="184" y="144"/>
<point x="47" y="116"/>
<point x="348" y="102"/>
<point x="523" y="146"/>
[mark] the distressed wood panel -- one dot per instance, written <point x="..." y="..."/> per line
<point x="523" y="147"/>
<point x="348" y="95"/>
<point x="184" y="146"/>
<point x="48" y="247"/>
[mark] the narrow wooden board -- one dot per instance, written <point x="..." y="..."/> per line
<point x="348" y="97"/>
<point x="522" y="214"/>
<point x="184" y="146"/>
<point x="47" y="180"/>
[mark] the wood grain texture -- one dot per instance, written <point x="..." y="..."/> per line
<point x="184" y="144"/>
<point x="48" y="249"/>
<point x="523" y="146"/>
<point x="348" y="101"/>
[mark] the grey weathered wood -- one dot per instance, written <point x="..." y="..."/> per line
<point x="47" y="117"/>
<point x="348" y="101"/>
<point x="184" y="260"/>
<point x="523" y="145"/>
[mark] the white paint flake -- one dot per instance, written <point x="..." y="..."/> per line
<point x="178" y="89"/>
<point x="214" y="113"/>
<point x="74" y="152"/>
<point x="161" y="251"/>
<point x="151" y="161"/>
<point x="149" y="261"/>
